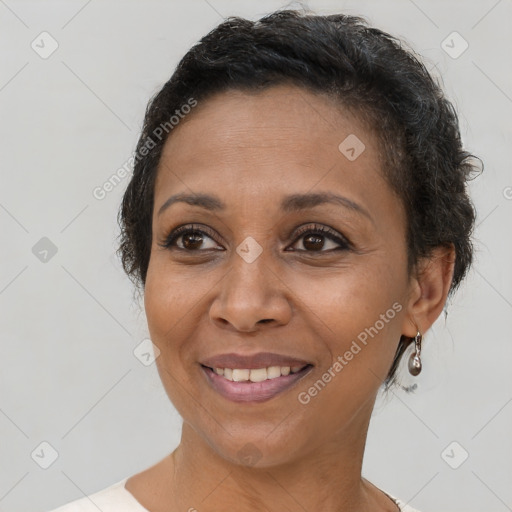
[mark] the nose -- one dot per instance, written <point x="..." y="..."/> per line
<point x="251" y="295"/>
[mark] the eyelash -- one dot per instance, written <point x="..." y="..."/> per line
<point x="170" y="239"/>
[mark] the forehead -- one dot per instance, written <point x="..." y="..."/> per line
<point x="266" y="142"/>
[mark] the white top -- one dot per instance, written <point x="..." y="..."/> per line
<point x="117" y="498"/>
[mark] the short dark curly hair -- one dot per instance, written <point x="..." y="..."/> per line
<point x="368" y="72"/>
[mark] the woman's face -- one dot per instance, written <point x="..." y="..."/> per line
<point x="261" y="277"/>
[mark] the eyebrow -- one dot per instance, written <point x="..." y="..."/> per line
<point x="291" y="203"/>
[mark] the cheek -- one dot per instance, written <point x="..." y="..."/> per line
<point x="174" y="302"/>
<point x="169" y="312"/>
<point x="158" y="302"/>
<point x="358" y="325"/>
<point x="164" y="302"/>
<point x="358" y="310"/>
<point x="170" y="293"/>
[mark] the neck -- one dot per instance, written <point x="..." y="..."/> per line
<point x="326" y="477"/>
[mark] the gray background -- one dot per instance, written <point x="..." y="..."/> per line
<point x="70" y="325"/>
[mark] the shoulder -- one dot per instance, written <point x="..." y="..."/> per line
<point x="402" y="505"/>
<point x="406" y="508"/>
<point x="114" y="498"/>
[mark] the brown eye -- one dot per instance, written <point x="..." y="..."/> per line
<point x="321" y="239"/>
<point x="192" y="240"/>
<point x="188" y="238"/>
<point x="314" y="242"/>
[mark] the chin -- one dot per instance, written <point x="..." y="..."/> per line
<point x="255" y="451"/>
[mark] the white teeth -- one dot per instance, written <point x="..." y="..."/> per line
<point x="256" y="374"/>
<point x="239" y="375"/>
<point x="275" y="371"/>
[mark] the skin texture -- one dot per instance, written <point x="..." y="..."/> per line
<point x="251" y="150"/>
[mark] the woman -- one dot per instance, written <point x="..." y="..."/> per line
<point x="296" y="220"/>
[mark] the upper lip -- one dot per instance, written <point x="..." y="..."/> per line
<point x="259" y="360"/>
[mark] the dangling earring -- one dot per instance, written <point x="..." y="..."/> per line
<point x="414" y="360"/>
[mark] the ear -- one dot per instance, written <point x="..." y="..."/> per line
<point x="429" y="290"/>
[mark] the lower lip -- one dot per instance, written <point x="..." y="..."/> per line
<point x="252" y="391"/>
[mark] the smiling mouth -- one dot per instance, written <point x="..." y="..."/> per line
<point x="255" y="384"/>
<point x="256" y="374"/>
